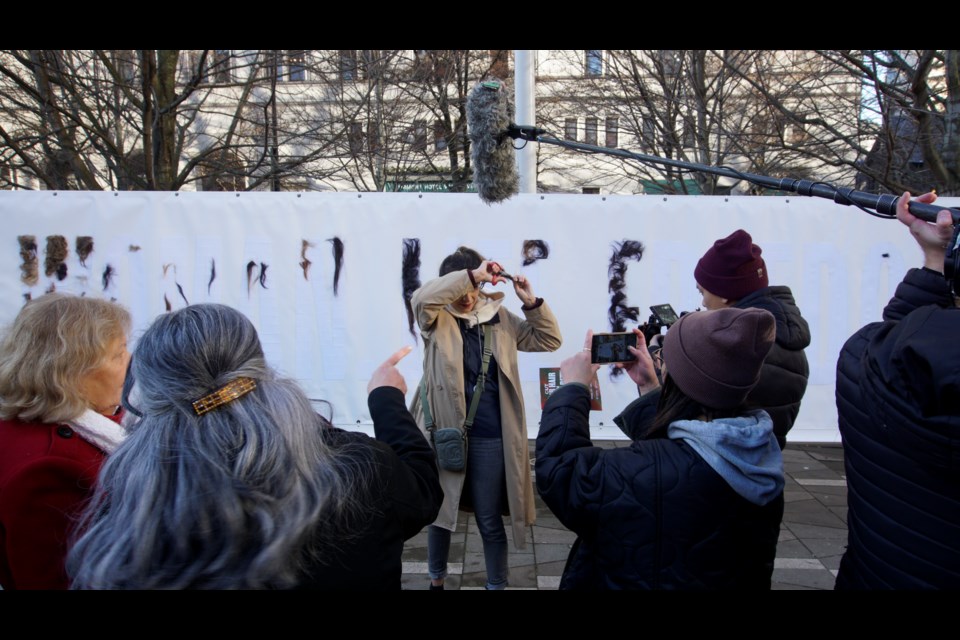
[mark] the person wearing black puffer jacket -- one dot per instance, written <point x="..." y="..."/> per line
<point x="732" y="273"/>
<point x="898" y="401"/>
<point x="696" y="501"/>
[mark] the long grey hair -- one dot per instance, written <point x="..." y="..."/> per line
<point x="234" y="498"/>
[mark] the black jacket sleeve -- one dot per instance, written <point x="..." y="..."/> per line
<point x="919" y="288"/>
<point x="415" y="482"/>
<point x="570" y="470"/>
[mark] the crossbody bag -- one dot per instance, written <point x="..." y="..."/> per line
<point x="450" y="443"/>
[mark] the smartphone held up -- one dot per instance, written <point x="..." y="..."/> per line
<point x="608" y="348"/>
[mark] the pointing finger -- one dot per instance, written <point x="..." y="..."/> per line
<point x="399" y="355"/>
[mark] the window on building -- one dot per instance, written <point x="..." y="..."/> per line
<point x="590" y="131"/>
<point x="798" y="133"/>
<point x="782" y="124"/>
<point x="125" y="61"/>
<point x="594" y="191"/>
<point x="297" y="65"/>
<point x="593" y="62"/>
<point x="433" y="65"/>
<point x="257" y="127"/>
<point x="221" y="66"/>
<point x="648" y="135"/>
<point x="613" y="132"/>
<point x="348" y="65"/>
<point x="369" y="64"/>
<point x="442" y="63"/>
<point x="689" y="135"/>
<point x="373" y="137"/>
<point x="671" y="61"/>
<point x="420" y="135"/>
<point x="356" y="138"/>
<point x="417" y="135"/>
<point x="439" y="136"/>
<point x="570" y="129"/>
<point x="795" y="133"/>
<point x="419" y="70"/>
<point x="193" y="64"/>
<point x="275" y="65"/>
<point x="461" y="139"/>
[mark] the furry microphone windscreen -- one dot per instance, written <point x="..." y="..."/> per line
<point x="489" y="113"/>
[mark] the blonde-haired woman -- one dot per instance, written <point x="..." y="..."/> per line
<point x="62" y="366"/>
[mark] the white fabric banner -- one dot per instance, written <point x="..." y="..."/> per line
<point x="270" y="255"/>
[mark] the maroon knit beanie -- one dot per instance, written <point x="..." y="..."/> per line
<point x="732" y="267"/>
<point x="715" y="356"/>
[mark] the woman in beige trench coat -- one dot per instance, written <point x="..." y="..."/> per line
<point x="450" y="311"/>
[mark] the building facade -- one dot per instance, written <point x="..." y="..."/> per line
<point x="395" y="120"/>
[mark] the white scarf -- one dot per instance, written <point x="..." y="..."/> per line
<point x="99" y="430"/>
<point x="486" y="307"/>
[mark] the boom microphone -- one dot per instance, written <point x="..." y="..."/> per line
<point x="489" y="119"/>
<point x="489" y="114"/>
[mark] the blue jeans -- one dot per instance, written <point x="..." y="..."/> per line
<point x="485" y="477"/>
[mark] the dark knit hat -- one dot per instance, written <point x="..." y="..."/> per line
<point x="732" y="267"/>
<point x="715" y="356"/>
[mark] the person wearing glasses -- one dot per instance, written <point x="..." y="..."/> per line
<point x="460" y="321"/>
<point x="229" y="479"/>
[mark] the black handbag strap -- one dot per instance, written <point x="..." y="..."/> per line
<point x="482" y="378"/>
<point x="477" y="390"/>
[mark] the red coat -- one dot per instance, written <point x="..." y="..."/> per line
<point x="47" y="473"/>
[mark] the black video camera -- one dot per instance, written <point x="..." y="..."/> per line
<point x="663" y="316"/>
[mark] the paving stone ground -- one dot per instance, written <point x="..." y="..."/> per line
<point x="813" y="534"/>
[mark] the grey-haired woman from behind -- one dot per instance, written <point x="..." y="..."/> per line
<point x="230" y="479"/>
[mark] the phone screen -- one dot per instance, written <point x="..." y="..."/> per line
<point x="665" y="313"/>
<point x="612" y="347"/>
